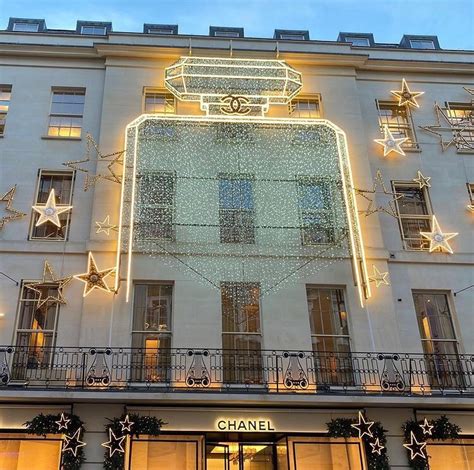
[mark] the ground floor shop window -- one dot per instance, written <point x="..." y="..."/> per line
<point x="458" y="455"/>
<point x="166" y="453"/>
<point x="22" y="452"/>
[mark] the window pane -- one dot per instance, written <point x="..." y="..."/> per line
<point x="459" y="455"/>
<point x="305" y="108"/>
<point x="26" y="27"/>
<point x="412" y="200"/>
<point x="149" y="455"/>
<point x="159" y="103"/>
<point x="240" y="307"/>
<point x="327" y="311"/>
<point x="398" y="120"/>
<point x="314" y="456"/>
<point x="152" y="307"/>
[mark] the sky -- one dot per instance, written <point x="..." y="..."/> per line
<point x="451" y="20"/>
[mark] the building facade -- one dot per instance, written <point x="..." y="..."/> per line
<point x="246" y="238"/>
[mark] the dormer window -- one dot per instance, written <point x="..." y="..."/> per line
<point x="164" y="29"/>
<point x="422" y="44"/>
<point x="26" y="27"/>
<point x="94" y="30"/>
<point x="292" y="37"/>
<point x="160" y="31"/>
<point x="227" y="34"/>
<point x="358" y="41"/>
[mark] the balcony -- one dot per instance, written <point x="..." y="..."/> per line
<point x="232" y="371"/>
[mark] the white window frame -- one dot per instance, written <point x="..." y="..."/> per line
<point x="306" y="99"/>
<point x="167" y="31"/>
<point x="356" y="41"/>
<point x="93" y="29"/>
<point x="416" y="43"/>
<point x="170" y="100"/>
<point x="23" y="24"/>
<point x="428" y="217"/>
<point x="227" y="34"/>
<point x="4" y="103"/>
<point x="45" y="172"/>
<point x="59" y="90"/>
<point x="451" y="109"/>
<point x="292" y="37"/>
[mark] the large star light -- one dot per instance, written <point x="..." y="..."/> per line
<point x="390" y="143"/>
<point x="417" y="449"/>
<point x="13" y="213"/>
<point x="50" y="212"/>
<point x="406" y="96"/>
<point x="94" y="278"/>
<point x="363" y="426"/>
<point x="438" y="239"/>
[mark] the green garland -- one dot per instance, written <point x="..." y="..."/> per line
<point x="41" y="425"/>
<point x="148" y="425"/>
<point x="341" y="427"/>
<point x="443" y="430"/>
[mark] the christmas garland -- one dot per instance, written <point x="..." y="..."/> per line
<point x="117" y="431"/>
<point x="373" y="436"/>
<point x="71" y="427"/>
<point x="415" y="435"/>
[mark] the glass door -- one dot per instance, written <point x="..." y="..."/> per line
<point x="217" y="457"/>
<point x="240" y="456"/>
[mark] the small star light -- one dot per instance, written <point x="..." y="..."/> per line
<point x="114" y="444"/>
<point x="14" y="214"/>
<point x="438" y="239"/>
<point x="62" y="422"/>
<point x="422" y="180"/>
<point x="416" y="448"/>
<point x="127" y="424"/>
<point x="93" y="278"/>
<point x="72" y="444"/>
<point x="115" y="158"/>
<point x="363" y="426"/>
<point x="405" y="96"/>
<point x="49" y="279"/>
<point x="378" y="277"/>
<point x="49" y="212"/>
<point x="377" y="447"/>
<point x="390" y="143"/>
<point x="105" y="226"/>
<point x="390" y="209"/>
<point x="427" y="427"/>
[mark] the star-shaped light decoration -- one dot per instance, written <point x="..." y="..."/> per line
<point x="73" y="443"/>
<point x="470" y="207"/>
<point x="458" y="129"/>
<point x="416" y="448"/>
<point x="378" y="277"/>
<point x="127" y="424"/>
<point x="105" y="226"/>
<point x="422" y="180"/>
<point x="50" y="212"/>
<point x="438" y="239"/>
<point x="49" y="279"/>
<point x="13" y="213"/>
<point x="406" y="96"/>
<point x="427" y="427"/>
<point x="390" y="143"/>
<point x="114" y="444"/>
<point x="363" y="426"/>
<point x="62" y="422"/>
<point x="377" y="448"/>
<point x="389" y="209"/>
<point x="115" y="158"/>
<point x="94" y="278"/>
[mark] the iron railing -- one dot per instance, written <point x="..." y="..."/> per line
<point x="234" y="371"/>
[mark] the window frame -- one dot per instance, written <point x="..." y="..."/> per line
<point x="65" y="90"/>
<point x="451" y="107"/>
<point x="351" y="39"/>
<point x="219" y="33"/>
<point x="292" y="106"/>
<point x="292" y="37"/>
<point x="401" y="217"/>
<point x="159" y="91"/>
<point x="3" y="114"/>
<point x="93" y="27"/>
<point x="421" y="41"/>
<point x="470" y="191"/>
<point x="27" y="30"/>
<point x="34" y="215"/>
<point x="404" y="130"/>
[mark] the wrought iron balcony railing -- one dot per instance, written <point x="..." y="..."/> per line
<point x="234" y="371"/>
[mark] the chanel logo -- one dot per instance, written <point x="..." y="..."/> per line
<point x="235" y="105"/>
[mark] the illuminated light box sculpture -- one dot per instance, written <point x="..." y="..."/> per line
<point x="234" y="197"/>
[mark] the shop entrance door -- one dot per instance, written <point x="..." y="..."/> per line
<point x="240" y="456"/>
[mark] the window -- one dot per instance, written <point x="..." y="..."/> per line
<point x="462" y="114"/>
<point x="422" y="44"/>
<point x="292" y="37"/>
<point x="316" y="211"/>
<point x="414" y="215"/>
<point x="458" y="454"/>
<point x="358" y="41"/>
<point x="36" y="330"/>
<point x="156" y="203"/>
<point x="151" y="334"/>
<point x="159" y="102"/>
<point x="94" y="30"/>
<point x="226" y="34"/>
<point x="241" y="333"/>
<point x="399" y="121"/>
<point x="62" y="183"/>
<point x="330" y="335"/>
<point x="67" y="109"/>
<point x="236" y="209"/>
<point x="26" y="27"/>
<point x="160" y="31"/>
<point x="305" y="108"/>
<point x="5" y="96"/>
<point x="470" y="190"/>
<point x="18" y="451"/>
<point x="438" y="338"/>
